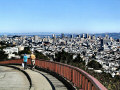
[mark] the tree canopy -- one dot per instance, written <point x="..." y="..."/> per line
<point x="63" y="57"/>
<point x="3" y="56"/>
<point x="94" y="64"/>
<point x="78" y="59"/>
<point x="25" y="51"/>
<point x="39" y="55"/>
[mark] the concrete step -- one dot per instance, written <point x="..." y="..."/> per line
<point x="43" y="81"/>
<point x="57" y="85"/>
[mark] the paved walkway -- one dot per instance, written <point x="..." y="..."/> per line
<point x="57" y="85"/>
<point x="38" y="81"/>
<point x="43" y="81"/>
<point x="12" y="79"/>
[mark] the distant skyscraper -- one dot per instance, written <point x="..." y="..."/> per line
<point x="89" y="37"/>
<point x="83" y="36"/>
<point x="104" y="42"/>
<point x="71" y="36"/>
<point x="62" y="35"/>
<point x="53" y="35"/>
<point x="93" y="37"/>
<point x="101" y="43"/>
<point x="36" y="38"/>
<point x="54" y="38"/>
<point x="86" y="35"/>
<point x="111" y="38"/>
<point x="106" y="37"/>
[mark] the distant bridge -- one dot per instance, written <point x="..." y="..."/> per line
<point x="75" y="76"/>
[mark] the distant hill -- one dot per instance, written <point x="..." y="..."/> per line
<point x="30" y="33"/>
<point x="42" y="34"/>
<point x="114" y="35"/>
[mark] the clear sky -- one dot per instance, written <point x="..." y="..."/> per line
<point x="63" y="16"/>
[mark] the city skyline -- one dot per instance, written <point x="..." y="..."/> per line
<point x="64" y="16"/>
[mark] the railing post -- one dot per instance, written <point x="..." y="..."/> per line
<point x="86" y="84"/>
<point x="89" y="86"/>
<point x="93" y="88"/>
<point x="83" y="82"/>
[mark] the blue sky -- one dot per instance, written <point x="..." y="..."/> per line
<point x="63" y="16"/>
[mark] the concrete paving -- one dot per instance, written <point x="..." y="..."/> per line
<point x="57" y="85"/>
<point x="38" y="81"/>
<point x="44" y="81"/>
<point x="12" y="79"/>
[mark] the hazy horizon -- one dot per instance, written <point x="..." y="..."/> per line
<point x="52" y="33"/>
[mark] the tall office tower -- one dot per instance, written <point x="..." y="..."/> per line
<point x="118" y="40"/>
<point x="93" y="37"/>
<point x="83" y="36"/>
<point x="36" y="38"/>
<point x="101" y="44"/>
<point x="54" y="38"/>
<point x="62" y="35"/>
<point x="48" y="39"/>
<point x="86" y="35"/>
<point x="106" y="37"/>
<point x="89" y="37"/>
<point x="53" y="35"/>
<point x="104" y="42"/>
<point x="111" y="39"/>
<point x="71" y="36"/>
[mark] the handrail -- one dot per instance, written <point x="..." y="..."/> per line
<point x="78" y="77"/>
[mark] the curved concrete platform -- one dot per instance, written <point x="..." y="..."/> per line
<point x="12" y="79"/>
<point x="39" y="80"/>
<point x="55" y="83"/>
<point x="43" y="81"/>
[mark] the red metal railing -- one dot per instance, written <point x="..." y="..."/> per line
<point x="78" y="77"/>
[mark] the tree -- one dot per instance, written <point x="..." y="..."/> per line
<point x="25" y="51"/>
<point x="94" y="64"/>
<point x="78" y="59"/>
<point x="93" y="56"/>
<point x="63" y="57"/>
<point x="4" y="44"/>
<point x="39" y="55"/>
<point x="3" y="56"/>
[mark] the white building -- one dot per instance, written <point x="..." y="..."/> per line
<point x="11" y="50"/>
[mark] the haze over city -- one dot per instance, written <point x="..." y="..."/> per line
<point x="60" y="16"/>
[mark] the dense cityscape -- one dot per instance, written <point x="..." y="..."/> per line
<point x="103" y="50"/>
